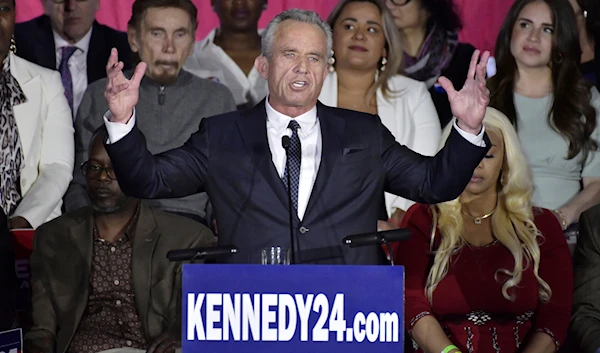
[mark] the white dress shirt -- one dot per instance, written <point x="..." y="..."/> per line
<point x="210" y="61"/>
<point x="310" y="139"/>
<point x="77" y="65"/>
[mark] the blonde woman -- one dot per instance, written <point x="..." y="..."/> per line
<point x="487" y="272"/>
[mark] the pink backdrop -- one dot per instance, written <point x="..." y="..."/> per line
<point x="482" y="18"/>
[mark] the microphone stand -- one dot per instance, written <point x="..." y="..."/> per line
<point x="285" y="142"/>
<point x="389" y="249"/>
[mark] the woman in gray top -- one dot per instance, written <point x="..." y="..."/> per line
<point x="540" y="88"/>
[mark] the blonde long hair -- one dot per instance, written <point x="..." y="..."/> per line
<point x="512" y="223"/>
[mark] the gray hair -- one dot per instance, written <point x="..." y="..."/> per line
<point x="298" y="15"/>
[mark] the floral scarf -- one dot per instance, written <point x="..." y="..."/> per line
<point x="11" y="151"/>
<point x="435" y="55"/>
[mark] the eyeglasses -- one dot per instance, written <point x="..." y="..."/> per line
<point x="94" y="171"/>
<point x="400" y="2"/>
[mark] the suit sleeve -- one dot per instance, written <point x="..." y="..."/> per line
<point x="43" y="330"/>
<point x="57" y="155"/>
<point x="557" y="270"/>
<point x="585" y="322"/>
<point x="176" y="173"/>
<point x="430" y="180"/>
<point x="203" y="238"/>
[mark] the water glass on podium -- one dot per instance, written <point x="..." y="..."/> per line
<point x="275" y="255"/>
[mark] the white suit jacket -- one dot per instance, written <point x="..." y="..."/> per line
<point x="46" y="132"/>
<point x="409" y="114"/>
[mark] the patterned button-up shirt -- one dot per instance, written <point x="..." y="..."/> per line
<point x="110" y="319"/>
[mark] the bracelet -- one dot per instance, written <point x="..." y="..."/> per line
<point x="563" y="219"/>
<point x="450" y="348"/>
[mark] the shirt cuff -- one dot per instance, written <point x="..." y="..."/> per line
<point x="116" y="131"/>
<point x="477" y="140"/>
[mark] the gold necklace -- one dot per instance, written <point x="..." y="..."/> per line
<point x="478" y="220"/>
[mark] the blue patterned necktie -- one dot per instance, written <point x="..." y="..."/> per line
<point x="295" y="160"/>
<point x="65" y="74"/>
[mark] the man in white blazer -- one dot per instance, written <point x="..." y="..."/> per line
<point x="46" y="134"/>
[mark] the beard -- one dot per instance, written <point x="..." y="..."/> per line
<point x="163" y="76"/>
<point x="114" y="207"/>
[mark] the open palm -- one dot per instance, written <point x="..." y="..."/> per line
<point x="121" y="93"/>
<point x="468" y="105"/>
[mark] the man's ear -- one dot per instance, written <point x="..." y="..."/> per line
<point x="132" y="39"/>
<point x="261" y="64"/>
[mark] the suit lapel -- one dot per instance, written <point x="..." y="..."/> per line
<point x="45" y="52"/>
<point x="96" y="69"/>
<point x="144" y="241"/>
<point x="332" y="133"/>
<point x="253" y="129"/>
<point x="82" y="236"/>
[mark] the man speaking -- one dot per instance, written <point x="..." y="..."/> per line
<point x="341" y="161"/>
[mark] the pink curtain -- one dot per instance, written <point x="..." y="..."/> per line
<point x="482" y="18"/>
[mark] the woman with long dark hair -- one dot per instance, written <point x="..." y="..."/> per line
<point x="541" y="90"/>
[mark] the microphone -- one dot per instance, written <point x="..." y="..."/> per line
<point x="378" y="238"/>
<point x="201" y="253"/>
<point x="285" y="143"/>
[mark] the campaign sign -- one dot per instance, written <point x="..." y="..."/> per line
<point x="11" y="341"/>
<point x="302" y="308"/>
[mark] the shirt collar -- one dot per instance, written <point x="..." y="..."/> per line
<point x="280" y="121"/>
<point x="83" y="45"/>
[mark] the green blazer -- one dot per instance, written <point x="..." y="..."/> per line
<point x="60" y="273"/>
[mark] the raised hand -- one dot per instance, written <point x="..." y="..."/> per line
<point x="468" y="105"/>
<point x="122" y="94"/>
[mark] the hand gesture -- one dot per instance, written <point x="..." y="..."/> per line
<point x="468" y="105"/>
<point x="121" y="94"/>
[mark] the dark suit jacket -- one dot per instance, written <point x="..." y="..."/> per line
<point x="585" y="322"/>
<point x="35" y="43"/>
<point x="229" y="158"/>
<point x="60" y="273"/>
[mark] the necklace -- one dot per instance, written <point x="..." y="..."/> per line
<point x="477" y="220"/>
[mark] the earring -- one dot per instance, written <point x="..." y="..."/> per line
<point x="264" y="7"/>
<point x="502" y="182"/>
<point x="383" y="63"/>
<point x="13" y="45"/>
<point x="330" y="62"/>
<point x="559" y="58"/>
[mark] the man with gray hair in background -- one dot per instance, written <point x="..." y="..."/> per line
<point x="339" y="162"/>
<point x="173" y="101"/>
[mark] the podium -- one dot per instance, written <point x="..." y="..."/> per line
<point x="292" y="309"/>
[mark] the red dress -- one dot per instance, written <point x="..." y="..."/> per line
<point x="468" y="302"/>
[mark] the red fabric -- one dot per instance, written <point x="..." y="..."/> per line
<point x="470" y="285"/>
<point x="482" y="19"/>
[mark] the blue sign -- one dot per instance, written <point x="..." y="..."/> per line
<point x="11" y="341"/>
<point x="301" y="308"/>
